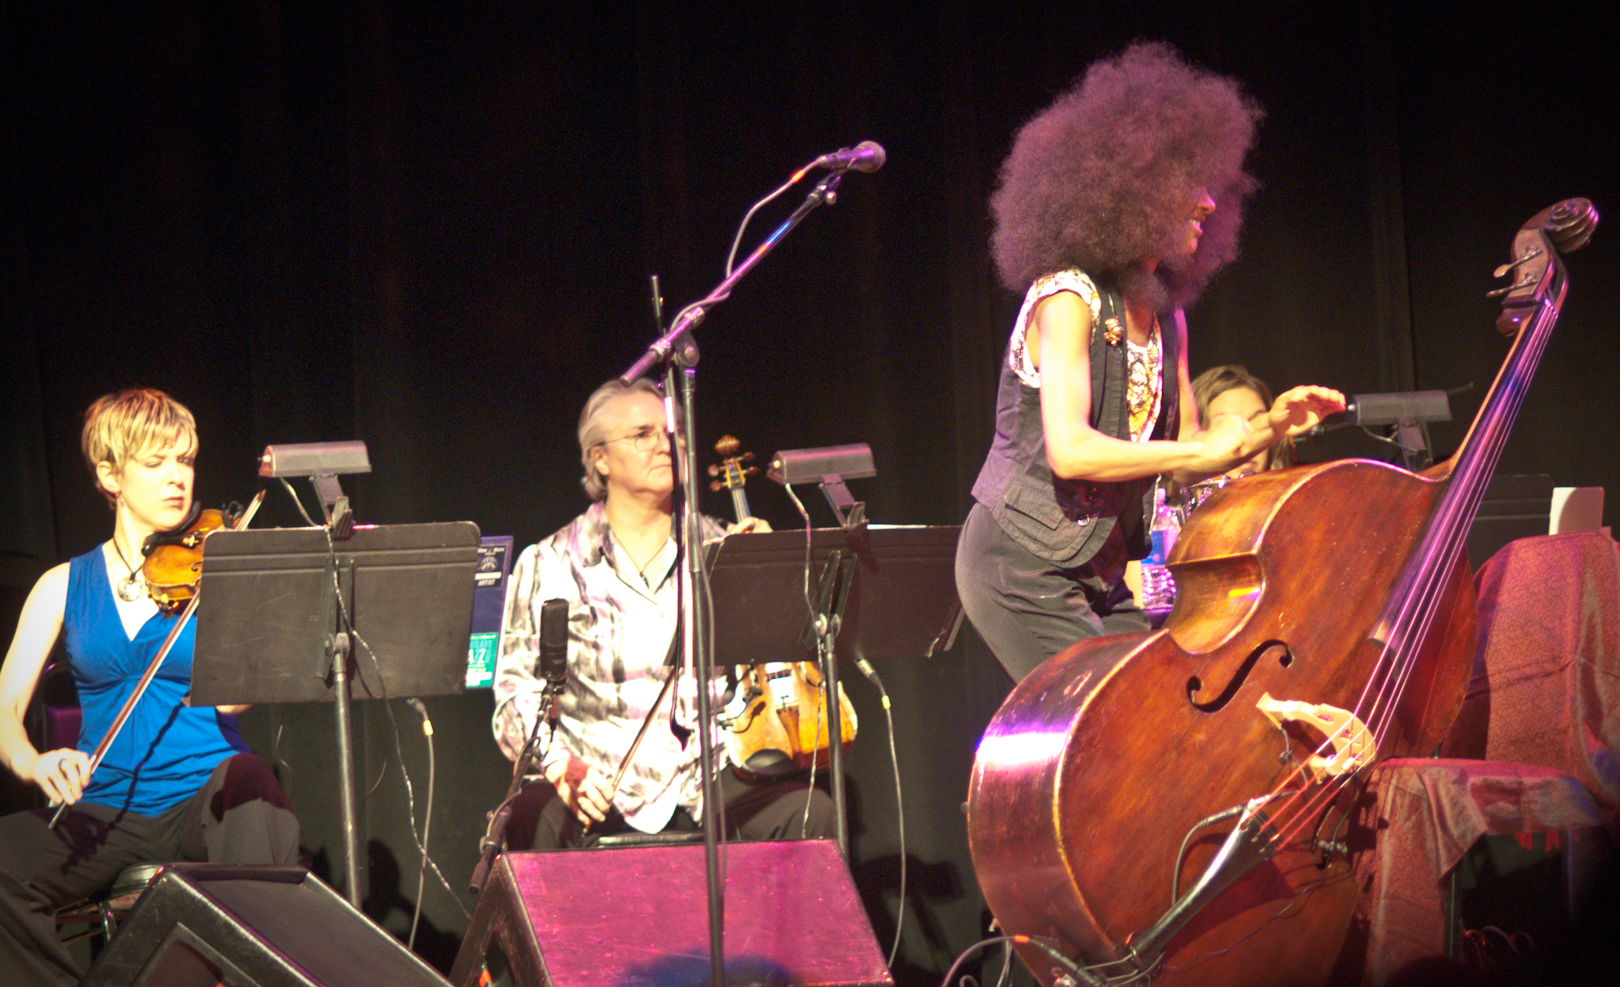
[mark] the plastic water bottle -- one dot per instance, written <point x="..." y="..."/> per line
<point x="1158" y="587"/>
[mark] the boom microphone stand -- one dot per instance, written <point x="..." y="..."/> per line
<point x="676" y="348"/>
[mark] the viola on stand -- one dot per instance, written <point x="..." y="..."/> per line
<point x="778" y="722"/>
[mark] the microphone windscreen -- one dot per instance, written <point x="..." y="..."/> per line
<point x="554" y="624"/>
<point x="554" y="641"/>
<point x="875" y="161"/>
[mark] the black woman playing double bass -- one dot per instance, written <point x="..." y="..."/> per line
<point x="1115" y="207"/>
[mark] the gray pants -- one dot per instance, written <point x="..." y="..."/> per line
<point x="1026" y="608"/>
<point x="240" y="816"/>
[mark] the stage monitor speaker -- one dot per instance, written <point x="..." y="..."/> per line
<point x="202" y="925"/>
<point x="638" y="917"/>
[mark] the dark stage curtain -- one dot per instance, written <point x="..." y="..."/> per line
<point x="431" y="227"/>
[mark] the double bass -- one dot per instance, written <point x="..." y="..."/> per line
<point x="1172" y="807"/>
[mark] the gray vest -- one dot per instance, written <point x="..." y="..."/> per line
<point x="1066" y="522"/>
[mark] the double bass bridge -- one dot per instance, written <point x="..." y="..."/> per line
<point x="1344" y="733"/>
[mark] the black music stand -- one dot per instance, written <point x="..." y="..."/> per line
<point x="274" y="630"/>
<point x="878" y="591"/>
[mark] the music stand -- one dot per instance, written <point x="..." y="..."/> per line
<point x="881" y="591"/>
<point x="274" y="631"/>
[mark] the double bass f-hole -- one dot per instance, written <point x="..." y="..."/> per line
<point x="1269" y="651"/>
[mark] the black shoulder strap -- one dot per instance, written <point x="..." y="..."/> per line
<point x="1108" y="362"/>
<point x="1169" y="426"/>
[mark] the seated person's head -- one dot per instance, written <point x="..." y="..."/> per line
<point x="130" y="438"/>
<point x="1231" y="389"/>
<point x="622" y="443"/>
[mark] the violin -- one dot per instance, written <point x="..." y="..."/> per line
<point x="172" y="582"/>
<point x="173" y="559"/>
<point x="778" y="723"/>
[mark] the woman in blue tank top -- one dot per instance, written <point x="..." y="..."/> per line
<point x="177" y="783"/>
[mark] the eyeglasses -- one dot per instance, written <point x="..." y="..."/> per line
<point x="642" y="439"/>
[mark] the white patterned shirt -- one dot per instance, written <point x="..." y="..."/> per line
<point x="1144" y="363"/>
<point x="620" y="628"/>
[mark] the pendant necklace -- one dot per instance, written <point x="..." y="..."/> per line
<point x="128" y="588"/>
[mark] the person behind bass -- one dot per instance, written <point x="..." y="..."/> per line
<point x="178" y="783"/>
<point x="1219" y="391"/>
<point x="1116" y="205"/>
<point x="1231" y="390"/>
<point x="616" y="566"/>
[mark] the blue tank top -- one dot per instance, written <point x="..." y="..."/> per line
<point x="166" y="750"/>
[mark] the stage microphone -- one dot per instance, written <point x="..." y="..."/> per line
<point x="865" y="156"/>
<point x="554" y="649"/>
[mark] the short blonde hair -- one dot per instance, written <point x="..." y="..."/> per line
<point x="119" y="427"/>
<point x="593" y="431"/>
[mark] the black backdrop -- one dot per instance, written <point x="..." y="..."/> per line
<point x="430" y="227"/>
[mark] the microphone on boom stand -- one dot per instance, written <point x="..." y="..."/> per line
<point x="865" y="156"/>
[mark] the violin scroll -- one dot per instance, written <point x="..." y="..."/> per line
<point x="731" y="472"/>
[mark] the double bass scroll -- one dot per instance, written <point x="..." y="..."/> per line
<point x="1171" y="806"/>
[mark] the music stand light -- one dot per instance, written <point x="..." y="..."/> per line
<point x="322" y="463"/>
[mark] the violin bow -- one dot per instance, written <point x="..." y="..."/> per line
<point x="635" y="745"/>
<point x="151" y="669"/>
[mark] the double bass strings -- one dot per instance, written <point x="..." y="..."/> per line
<point x="1438" y="554"/>
<point x="1409" y="618"/>
<point x="1461" y="502"/>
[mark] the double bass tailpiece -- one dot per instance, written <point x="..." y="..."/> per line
<point x="1250" y="843"/>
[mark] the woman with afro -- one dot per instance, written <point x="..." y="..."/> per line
<point x="1116" y="206"/>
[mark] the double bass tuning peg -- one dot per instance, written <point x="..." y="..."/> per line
<point x="1503" y="270"/>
